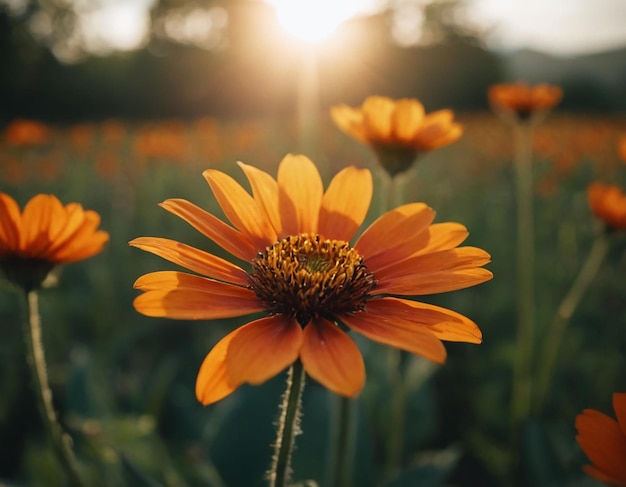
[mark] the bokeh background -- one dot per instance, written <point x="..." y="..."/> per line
<point x="120" y="105"/>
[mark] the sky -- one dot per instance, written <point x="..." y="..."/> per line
<point x="564" y="27"/>
<point x="561" y="27"/>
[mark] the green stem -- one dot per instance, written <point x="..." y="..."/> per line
<point x="395" y="437"/>
<point x="344" y="445"/>
<point x="564" y="313"/>
<point x="522" y="380"/>
<point x="61" y="441"/>
<point x="288" y="427"/>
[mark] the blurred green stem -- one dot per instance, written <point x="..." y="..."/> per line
<point x="395" y="437"/>
<point x="288" y="427"/>
<point x="61" y="441"/>
<point x="565" y="311"/>
<point x="522" y="379"/>
<point x="344" y="444"/>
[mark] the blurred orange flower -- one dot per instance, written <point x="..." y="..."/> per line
<point x="608" y="203"/>
<point x="301" y="270"/>
<point x="398" y="131"/>
<point x="23" y="132"/>
<point x="523" y="100"/>
<point x="603" y="440"/>
<point x="44" y="235"/>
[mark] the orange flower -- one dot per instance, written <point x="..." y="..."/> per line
<point x="604" y="441"/>
<point x="523" y="100"/>
<point x="398" y="131"/>
<point x="299" y="268"/>
<point x="608" y="203"/>
<point x="44" y="235"/>
<point x="27" y="132"/>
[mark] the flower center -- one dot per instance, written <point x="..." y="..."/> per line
<point x="305" y="276"/>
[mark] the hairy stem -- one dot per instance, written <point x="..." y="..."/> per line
<point x="61" y="441"/>
<point x="288" y="427"/>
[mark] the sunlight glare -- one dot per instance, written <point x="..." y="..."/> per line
<point x="314" y="20"/>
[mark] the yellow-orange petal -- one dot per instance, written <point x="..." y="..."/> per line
<point x="212" y="227"/>
<point x="240" y="208"/>
<point x="438" y="272"/>
<point x="176" y="295"/>
<point x="37" y="216"/>
<point x="345" y="204"/>
<point x="263" y="349"/>
<point x="604" y="443"/>
<point x="265" y="192"/>
<point x="407" y="119"/>
<point x="82" y="241"/>
<point x="444" y="236"/>
<point x="445" y="324"/>
<point x="377" y="112"/>
<point x="350" y="121"/>
<point x="300" y="191"/>
<point x="404" y="223"/>
<point x="331" y="358"/>
<point x="410" y="338"/>
<point x="213" y="382"/>
<point x="193" y="259"/>
<point x="10" y="217"/>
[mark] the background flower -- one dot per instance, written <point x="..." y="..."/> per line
<point x="44" y="235"/>
<point x="603" y="440"/>
<point x="398" y="130"/>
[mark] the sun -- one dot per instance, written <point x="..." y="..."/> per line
<point x="314" y="20"/>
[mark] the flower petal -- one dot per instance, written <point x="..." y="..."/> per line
<point x="331" y="357"/>
<point x="240" y="208"/>
<point x="37" y="218"/>
<point x="407" y="119"/>
<point x="263" y="348"/>
<point x="193" y="259"/>
<point x="377" y="111"/>
<point x="300" y="194"/>
<point x="619" y="406"/>
<point x="265" y="192"/>
<point x="603" y="441"/>
<point x="345" y="204"/>
<point x="213" y="382"/>
<point x="10" y="218"/>
<point x="439" y="272"/>
<point x="350" y="121"/>
<point x="176" y="295"/>
<point x="212" y="227"/>
<point x="445" y="324"/>
<point x="384" y="329"/>
<point x="391" y="230"/>
<point x="444" y="236"/>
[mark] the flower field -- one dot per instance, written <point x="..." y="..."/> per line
<point x="123" y="383"/>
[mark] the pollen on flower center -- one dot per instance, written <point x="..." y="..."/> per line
<point x="305" y="276"/>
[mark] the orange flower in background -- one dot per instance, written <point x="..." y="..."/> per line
<point x="27" y="132"/>
<point x="398" y="131"/>
<point x="523" y="100"/>
<point x="43" y="236"/>
<point x="299" y="267"/>
<point x="604" y="442"/>
<point x="608" y="203"/>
